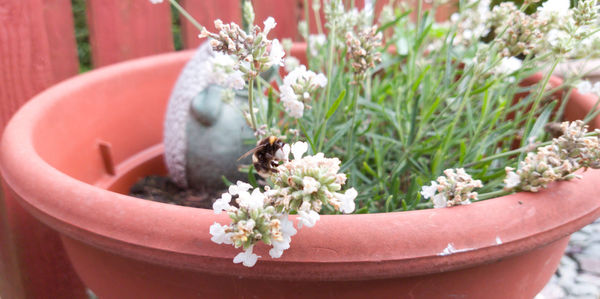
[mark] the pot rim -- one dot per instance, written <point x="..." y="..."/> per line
<point x="406" y="243"/>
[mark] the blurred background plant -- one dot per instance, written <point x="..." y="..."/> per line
<point x="82" y="35"/>
<point x="82" y="32"/>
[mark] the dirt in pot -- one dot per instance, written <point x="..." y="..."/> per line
<point x="162" y="189"/>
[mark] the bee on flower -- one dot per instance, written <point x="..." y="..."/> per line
<point x="301" y="185"/>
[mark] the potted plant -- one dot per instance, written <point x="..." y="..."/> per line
<point x="70" y="155"/>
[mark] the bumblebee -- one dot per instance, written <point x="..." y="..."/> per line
<point x="264" y="156"/>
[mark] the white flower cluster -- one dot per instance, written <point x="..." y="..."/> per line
<point x="554" y="28"/>
<point x="297" y="89"/>
<point x="590" y="47"/>
<point x="559" y="19"/>
<point x="587" y="87"/>
<point x="363" y="50"/>
<point x="334" y="11"/>
<point x="508" y="65"/>
<point x="355" y="20"/>
<point x="291" y="63"/>
<point x="455" y="187"/>
<point x="225" y="72"/>
<point x="307" y="183"/>
<point x="575" y="146"/>
<point x="472" y="23"/>
<point x="554" y="9"/>
<point x="253" y="220"/>
<point x="346" y="21"/>
<point x="315" y="42"/>
<point x="517" y="33"/>
<point x="255" y="52"/>
<point x="557" y="161"/>
<point x="537" y="170"/>
<point x="302" y="185"/>
<point x="387" y="13"/>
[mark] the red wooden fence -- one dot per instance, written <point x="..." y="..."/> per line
<point x="37" y="50"/>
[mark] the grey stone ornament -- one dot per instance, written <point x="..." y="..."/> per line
<point x="204" y="136"/>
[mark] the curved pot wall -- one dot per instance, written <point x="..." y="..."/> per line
<point x="126" y="247"/>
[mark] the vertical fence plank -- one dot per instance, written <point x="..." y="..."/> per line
<point x="32" y="254"/>
<point x="24" y="54"/>
<point x="58" y="18"/>
<point x="31" y="34"/>
<point x="287" y="14"/>
<point x="205" y="12"/>
<point x="125" y="29"/>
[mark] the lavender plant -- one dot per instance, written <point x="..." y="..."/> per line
<point x="411" y="115"/>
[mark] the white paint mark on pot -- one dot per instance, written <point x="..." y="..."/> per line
<point x="451" y="250"/>
<point x="498" y="241"/>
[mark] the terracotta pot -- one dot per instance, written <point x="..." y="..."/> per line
<point x="70" y="154"/>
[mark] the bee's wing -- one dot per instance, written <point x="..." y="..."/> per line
<point x="252" y="151"/>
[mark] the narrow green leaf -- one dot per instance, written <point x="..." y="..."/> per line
<point x="388" y="204"/>
<point x="270" y="104"/>
<point x="251" y="177"/>
<point x="369" y="169"/>
<point x="226" y="181"/>
<point x="463" y="152"/>
<point x="335" y="104"/>
<point x="392" y="23"/>
<point x="363" y="210"/>
<point x="538" y="126"/>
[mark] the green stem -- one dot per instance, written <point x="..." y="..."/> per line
<point x="504" y="154"/>
<point x="419" y="16"/>
<point x="318" y="21"/>
<point x="537" y="101"/>
<point x="261" y="109"/>
<point x="330" y="63"/>
<point x="444" y="147"/>
<point x="183" y="12"/>
<point x="354" y="104"/>
<point x="368" y="87"/>
<point x="498" y="193"/>
<point x="330" y="76"/>
<point x="424" y="205"/>
<point x="350" y="147"/>
<point x="515" y="151"/>
<point x="250" y="100"/>
<point x="263" y="81"/>
<point x="307" y="16"/>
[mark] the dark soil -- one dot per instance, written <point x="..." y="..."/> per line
<point x="162" y="189"/>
